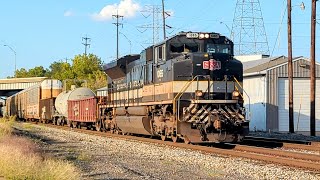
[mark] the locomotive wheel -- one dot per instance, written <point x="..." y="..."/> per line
<point x="174" y="138"/>
<point x="54" y="122"/>
<point x="186" y="140"/>
<point x="119" y="132"/>
<point x="163" y="137"/>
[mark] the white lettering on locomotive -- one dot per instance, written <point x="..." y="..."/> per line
<point x="160" y="73"/>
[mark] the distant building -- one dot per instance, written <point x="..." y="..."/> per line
<point x="266" y="83"/>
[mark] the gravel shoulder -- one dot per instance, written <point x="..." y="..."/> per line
<point x="113" y="158"/>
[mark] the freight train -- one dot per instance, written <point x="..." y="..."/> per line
<point x="188" y="87"/>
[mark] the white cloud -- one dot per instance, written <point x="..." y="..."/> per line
<point x="126" y="8"/>
<point x="68" y="13"/>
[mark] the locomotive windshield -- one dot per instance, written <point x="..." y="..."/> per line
<point x="184" y="47"/>
<point x="218" y="48"/>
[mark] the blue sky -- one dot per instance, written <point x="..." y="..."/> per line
<point x="42" y="32"/>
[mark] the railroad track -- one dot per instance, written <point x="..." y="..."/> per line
<point x="305" y="161"/>
<point x="279" y="143"/>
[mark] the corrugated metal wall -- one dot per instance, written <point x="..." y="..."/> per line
<point x="13" y="86"/>
<point x="256" y="88"/>
<point x="301" y="68"/>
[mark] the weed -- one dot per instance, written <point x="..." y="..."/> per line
<point x="84" y="156"/>
<point x="21" y="159"/>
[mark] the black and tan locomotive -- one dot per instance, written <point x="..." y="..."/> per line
<point x="187" y="87"/>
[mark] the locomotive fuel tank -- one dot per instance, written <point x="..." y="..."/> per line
<point x="133" y="119"/>
<point x="61" y="103"/>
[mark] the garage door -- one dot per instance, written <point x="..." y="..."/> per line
<point x="301" y="104"/>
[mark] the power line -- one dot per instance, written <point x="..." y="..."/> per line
<point x="117" y="16"/>
<point x="86" y="43"/>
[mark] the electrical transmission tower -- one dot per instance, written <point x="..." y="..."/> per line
<point x="155" y="11"/>
<point x="248" y="32"/>
<point x="117" y="16"/>
<point x="86" y="43"/>
<point x="158" y="14"/>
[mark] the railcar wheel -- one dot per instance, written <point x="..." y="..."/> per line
<point x="74" y="124"/>
<point x="186" y="140"/>
<point x="69" y="123"/>
<point x="98" y="125"/>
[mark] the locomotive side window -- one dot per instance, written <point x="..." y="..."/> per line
<point x="160" y="53"/>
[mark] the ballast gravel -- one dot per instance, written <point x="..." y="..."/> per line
<point x="114" y="158"/>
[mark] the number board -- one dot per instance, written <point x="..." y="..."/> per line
<point x="214" y="36"/>
<point x="192" y="35"/>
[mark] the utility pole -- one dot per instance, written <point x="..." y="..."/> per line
<point x="15" y="58"/>
<point x="312" y="70"/>
<point x="117" y="16"/>
<point x="86" y="44"/>
<point x="164" y="21"/>
<point x="290" y="69"/>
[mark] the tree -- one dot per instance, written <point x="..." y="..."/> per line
<point x="21" y="73"/>
<point x="37" y="71"/>
<point x="84" y="68"/>
<point x="89" y="68"/>
<point x="61" y="71"/>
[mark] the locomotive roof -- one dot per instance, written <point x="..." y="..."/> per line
<point x="182" y="33"/>
<point x="117" y="68"/>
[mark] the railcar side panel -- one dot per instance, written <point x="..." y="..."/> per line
<point x="46" y="109"/>
<point x="83" y="110"/>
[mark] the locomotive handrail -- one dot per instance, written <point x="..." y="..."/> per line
<point x="243" y="91"/>
<point x="183" y="89"/>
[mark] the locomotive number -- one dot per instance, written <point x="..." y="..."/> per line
<point x="160" y="73"/>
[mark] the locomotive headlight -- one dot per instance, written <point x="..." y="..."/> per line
<point x="235" y="93"/>
<point x="201" y="36"/>
<point x="206" y="35"/>
<point x="199" y="93"/>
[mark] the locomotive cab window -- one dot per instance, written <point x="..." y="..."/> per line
<point x="181" y="47"/>
<point x="218" y="48"/>
<point x="160" y="53"/>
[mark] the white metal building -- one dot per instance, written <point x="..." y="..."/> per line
<point x="266" y="82"/>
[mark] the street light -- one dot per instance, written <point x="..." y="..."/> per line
<point x="230" y="31"/>
<point x="127" y="39"/>
<point x="15" y="57"/>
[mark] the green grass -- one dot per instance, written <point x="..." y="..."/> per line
<point x="6" y="126"/>
<point x="21" y="159"/>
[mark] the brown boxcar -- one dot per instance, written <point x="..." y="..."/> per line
<point x="46" y="109"/>
<point x="83" y="110"/>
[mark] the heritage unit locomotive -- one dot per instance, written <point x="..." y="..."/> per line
<point x="187" y="87"/>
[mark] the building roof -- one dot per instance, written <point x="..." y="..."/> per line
<point x="252" y="64"/>
<point x="23" y="80"/>
<point x="263" y="64"/>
